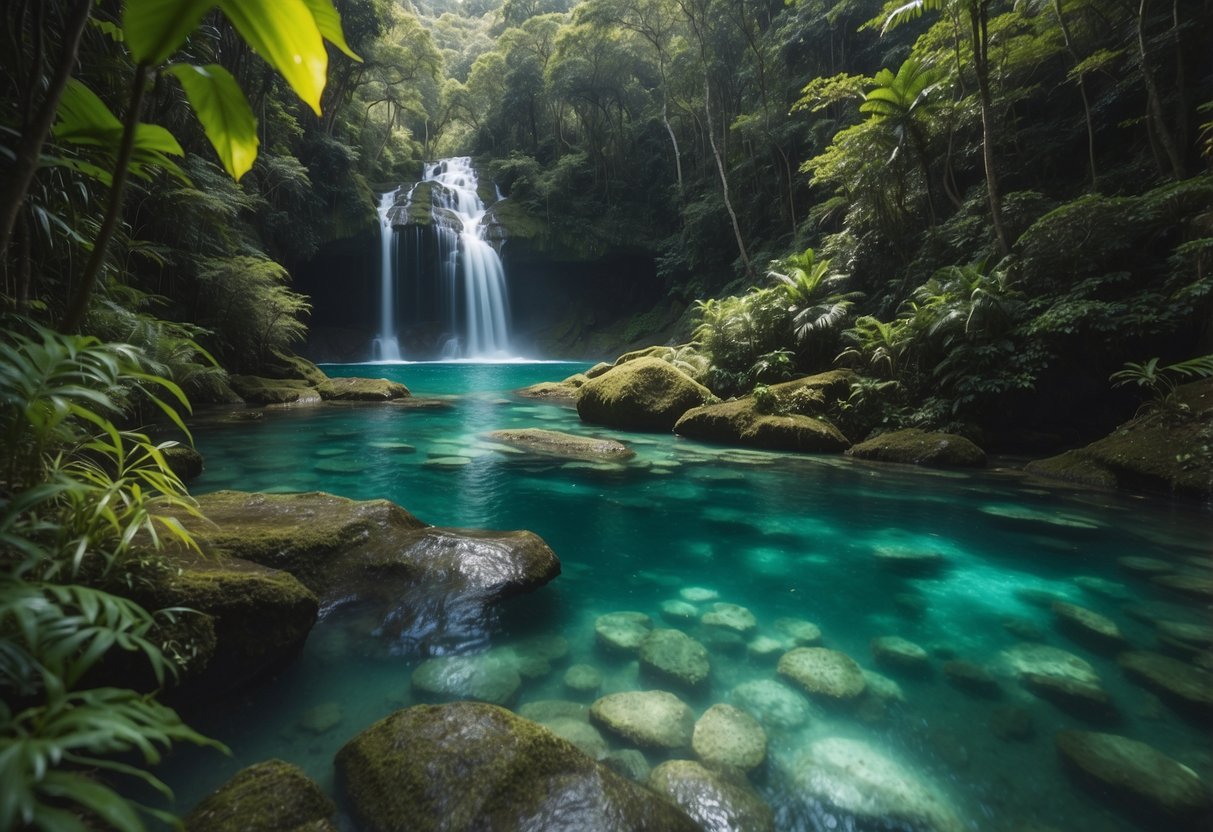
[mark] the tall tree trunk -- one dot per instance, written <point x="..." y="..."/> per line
<point x="79" y="305"/>
<point x="1082" y="90"/>
<point x="33" y="134"/>
<point x="724" y="179"/>
<point x="1154" y="110"/>
<point x="981" y="63"/>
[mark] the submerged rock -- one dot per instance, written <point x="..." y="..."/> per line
<point x="673" y="656"/>
<point x="648" y="719"/>
<point x="622" y="631"/>
<point x="802" y="633"/>
<point x="469" y="766"/>
<point x="728" y="736"/>
<point x="1145" y="566"/>
<point x="826" y="674"/>
<point x="772" y="703"/>
<point x="914" y="446"/>
<point x="642" y="394"/>
<point x="487" y="677"/>
<point x="1060" y="677"/>
<point x="1137" y="778"/>
<point x="1088" y="627"/>
<point x="765" y="648"/>
<point x="730" y="617"/>
<point x="1173" y="680"/>
<point x="871" y="790"/>
<point x="716" y="801"/>
<point x="1193" y="586"/>
<point x="905" y="561"/>
<point x="972" y="678"/>
<point x="1185" y="636"/>
<point x="897" y="653"/>
<point x="563" y="445"/>
<point x="267" y="797"/>
<point x="680" y="612"/>
<point x="583" y="678"/>
<point x="698" y="594"/>
<point x="628" y="763"/>
<point x="430" y="580"/>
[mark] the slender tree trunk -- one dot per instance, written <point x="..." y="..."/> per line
<point x="1082" y="90"/>
<point x="113" y="212"/>
<point x="1154" y="99"/>
<point x="34" y="134"/>
<point x="981" y="63"/>
<point x="724" y="179"/>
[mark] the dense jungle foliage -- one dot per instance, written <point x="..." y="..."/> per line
<point x="987" y="207"/>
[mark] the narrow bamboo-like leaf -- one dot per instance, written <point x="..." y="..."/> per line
<point x="329" y="23"/>
<point x="224" y="112"/>
<point x="155" y="29"/>
<point x="285" y="33"/>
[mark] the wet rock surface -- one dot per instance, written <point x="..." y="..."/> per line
<point x="716" y="801"/>
<point x="273" y="796"/>
<point x="823" y="673"/>
<point x="913" y="446"/>
<point x="563" y="445"/>
<point x="648" y="719"/>
<point x="675" y="657"/>
<point x="728" y="736"/>
<point x="642" y="394"/>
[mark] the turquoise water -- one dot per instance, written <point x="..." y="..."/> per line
<point x="782" y="535"/>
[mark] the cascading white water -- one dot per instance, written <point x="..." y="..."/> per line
<point x="471" y="267"/>
<point x="386" y="347"/>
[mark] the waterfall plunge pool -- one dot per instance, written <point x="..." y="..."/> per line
<point x="786" y="536"/>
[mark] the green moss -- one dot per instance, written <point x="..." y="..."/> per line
<point x="184" y="461"/>
<point x="918" y="447"/>
<point x="258" y="390"/>
<point x="740" y="422"/>
<point x="273" y="796"/>
<point x="362" y="390"/>
<point x="285" y="365"/>
<point x="642" y="394"/>
<point x="467" y="766"/>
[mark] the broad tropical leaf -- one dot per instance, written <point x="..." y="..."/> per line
<point x="285" y="34"/>
<point x="155" y="29"/>
<point x="224" y="112"/>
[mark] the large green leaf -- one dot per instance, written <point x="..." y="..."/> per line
<point x="154" y="29"/>
<point x="83" y="118"/>
<point x="330" y="25"/>
<point x="224" y="112"/>
<point x="285" y="34"/>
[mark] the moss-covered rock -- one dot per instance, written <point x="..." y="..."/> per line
<point x="283" y="364"/>
<point x="642" y="394"/>
<point x="267" y="797"/>
<point x="471" y="766"/>
<point x="825" y="674"/>
<point x="919" y="447"/>
<point x="563" y="445"/>
<point x="739" y="422"/>
<point x="183" y="461"/>
<point x="361" y="390"/>
<point x="259" y="618"/>
<point x="1168" y="449"/>
<point x="717" y="800"/>
<point x="1137" y="778"/>
<point x="646" y="718"/>
<point x="598" y="369"/>
<point x="260" y="390"/>
<point x="555" y="391"/>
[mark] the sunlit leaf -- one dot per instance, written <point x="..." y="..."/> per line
<point x="155" y="29"/>
<point x="329" y="23"/>
<point x="286" y="35"/>
<point x="224" y="112"/>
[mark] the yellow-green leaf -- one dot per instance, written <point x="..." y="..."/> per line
<point x="285" y="33"/>
<point x="224" y="112"/>
<point x="329" y="22"/>
<point x="155" y="29"/>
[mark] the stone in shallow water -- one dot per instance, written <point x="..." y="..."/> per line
<point x="972" y="678"/>
<point x="1144" y="566"/>
<point x="340" y="465"/>
<point x="545" y="710"/>
<point x="447" y="462"/>
<point x="673" y="656"/>
<point x="322" y="718"/>
<point x="488" y="677"/>
<point x="904" y="561"/>
<point x="1185" y="635"/>
<point x="826" y="674"/>
<point x="266" y="797"/>
<point x="679" y="612"/>
<point x="902" y="655"/>
<point x="549" y="647"/>
<point x="580" y="733"/>
<point x="1142" y="781"/>
<point x="803" y="633"/>
<point x="765" y="648"/>
<point x="1171" y="679"/>
<point x="1022" y="628"/>
<point x="715" y="800"/>
<point x="468" y="766"/>
<point x="563" y="445"/>
<point x="629" y="763"/>
<point x="1103" y="588"/>
<point x="648" y="719"/>
<point x="1193" y="586"/>
<point x="699" y="594"/>
<point x="731" y="617"/>
<point x="1060" y="677"/>
<point x="622" y="631"/>
<point x="583" y="678"/>
<point x="871" y="790"/>
<point x="882" y="687"/>
<point x="1088" y="627"/>
<point x="772" y="703"/>
<point x="728" y="736"/>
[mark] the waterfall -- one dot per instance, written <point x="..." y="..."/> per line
<point x="470" y="268"/>
<point x="386" y="346"/>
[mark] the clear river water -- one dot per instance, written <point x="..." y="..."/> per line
<point x="786" y="536"/>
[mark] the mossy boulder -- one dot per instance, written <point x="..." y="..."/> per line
<point x="645" y="394"/>
<point x="260" y="390"/>
<point x="267" y="797"/>
<point x="562" y="392"/>
<point x="1061" y="677"/>
<point x="183" y="461"/>
<point x="1136" y="778"/>
<point x="674" y="657"/>
<point x="913" y="446"/>
<point x="726" y="736"/>
<point x="717" y="800"/>
<point x="471" y="766"/>
<point x="739" y="422"/>
<point x="563" y="445"/>
<point x="258" y="619"/>
<point x="1184" y="686"/>
<point x="646" y="718"/>
<point x="1168" y="449"/>
<point x="282" y="364"/>
<point x="362" y="390"/>
<point x="825" y="674"/>
<point x="425" y="578"/>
